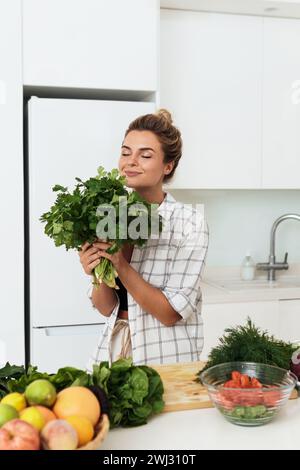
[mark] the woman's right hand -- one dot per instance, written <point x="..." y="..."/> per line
<point x="89" y="257"/>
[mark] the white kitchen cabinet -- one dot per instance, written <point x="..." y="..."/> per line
<point x="281" y="104"/>
<point x="235" y="97"/>
<point x="289" y="319"/>
<point x="218" y="317"/>
<point x="211" y="68"/>
<point x="52" y="348"/>
<point x="11" y="187"/>
<point x="91" y="43"/>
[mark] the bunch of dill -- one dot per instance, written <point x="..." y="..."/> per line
<point x="249" y="343"/>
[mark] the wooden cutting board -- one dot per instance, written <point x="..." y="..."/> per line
<point x="181" y="390"/>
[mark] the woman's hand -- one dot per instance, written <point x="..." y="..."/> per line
<point x="117" y="259"/>
<point x="89" y="257"/>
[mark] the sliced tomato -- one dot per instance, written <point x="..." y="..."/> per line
<point x="248" y="398"/>
<point x="255" y="383"/>
<point x="231" y="384"/>
<point x="245" y="381"/>
<point x="272" y="397"/>
<point x="225" y="401"/>
<point x="235" y="375"/>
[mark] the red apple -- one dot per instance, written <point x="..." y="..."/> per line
<point x="19" y="435"/>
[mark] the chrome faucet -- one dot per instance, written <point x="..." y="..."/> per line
<point x="272" y="266"/>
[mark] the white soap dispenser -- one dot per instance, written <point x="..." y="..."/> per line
<point x="248" y="268"/>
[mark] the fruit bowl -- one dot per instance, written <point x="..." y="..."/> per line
<point x="101" y="431"/>
<point x="248" y="406"/>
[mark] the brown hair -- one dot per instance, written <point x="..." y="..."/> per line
<point x="161" y="124"/>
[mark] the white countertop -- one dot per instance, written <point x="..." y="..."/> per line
<point x="205" y="429"/>
<point x="212" y="293"/>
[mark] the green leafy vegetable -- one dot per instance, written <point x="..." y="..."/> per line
<point x="134" y="392"/>
<point x="249" y="343"/>
<point x="16" y="378"/>
<point x="76" y="216"/>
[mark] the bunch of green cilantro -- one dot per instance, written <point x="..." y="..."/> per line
<point x="75" y="217"/>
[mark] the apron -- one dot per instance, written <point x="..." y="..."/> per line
<point x="120" y="342"/>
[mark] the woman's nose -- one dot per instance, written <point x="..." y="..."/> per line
<point x="132" y="159"/>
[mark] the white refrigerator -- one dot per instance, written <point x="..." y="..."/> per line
<point x="65" y="138"/>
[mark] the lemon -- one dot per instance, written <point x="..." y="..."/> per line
<point x="83" y="427"/>
<point x="34" y="417"/>
<point x="17" y="400"/>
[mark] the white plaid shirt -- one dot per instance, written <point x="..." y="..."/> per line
<point x="173" y="263"/>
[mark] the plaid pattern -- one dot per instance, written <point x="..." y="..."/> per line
<point x="173" y="263"/>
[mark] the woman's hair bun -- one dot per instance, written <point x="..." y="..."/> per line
<point x="162" y="112"/>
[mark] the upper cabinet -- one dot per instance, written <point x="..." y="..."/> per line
<point x="210" y="79"/>
<point x="281" y="104"/>
<point x="91" y="44"/>
<point x="233" y="85"/>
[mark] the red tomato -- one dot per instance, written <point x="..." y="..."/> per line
<point x="231" y="384"/>
<point x="245" y="381"/>
<point x="225" y="401"/>
<point x="235" y="375"/>
<point x="248" y="398"/>
<point x="271" y="398"/>
<point x="255" y="383"/>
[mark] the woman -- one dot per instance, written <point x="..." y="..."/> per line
<point x="155" y="316"/>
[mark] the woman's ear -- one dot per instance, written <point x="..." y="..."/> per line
<point x="168" y="168"/>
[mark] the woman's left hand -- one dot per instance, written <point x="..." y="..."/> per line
<point x="117" y="259"/>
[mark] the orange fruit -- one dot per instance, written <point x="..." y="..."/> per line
<point x="48" y="414"/>
<point x="83" y="427"/>
<point x="78" y="401"/>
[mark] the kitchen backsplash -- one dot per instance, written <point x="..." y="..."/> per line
<point x="241" y="220"/>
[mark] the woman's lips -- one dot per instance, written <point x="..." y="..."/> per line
<point x="131" y="173"/>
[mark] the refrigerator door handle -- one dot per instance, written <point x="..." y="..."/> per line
<point x="72" y="330"/>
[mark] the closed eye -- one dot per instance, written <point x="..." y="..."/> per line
<point x="128" y="154"/>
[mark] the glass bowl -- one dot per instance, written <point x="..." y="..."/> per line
<point x="249" y="406"/>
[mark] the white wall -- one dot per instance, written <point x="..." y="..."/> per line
<point x="241" y="219"/>
<point x="11" y="183"/>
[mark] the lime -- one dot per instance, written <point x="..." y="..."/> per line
<point x="7" y="413"/>
<point x="40" y="392"/>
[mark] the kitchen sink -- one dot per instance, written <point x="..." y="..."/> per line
<point x="238" y="284"/>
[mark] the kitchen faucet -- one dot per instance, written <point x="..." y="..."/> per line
<point x="272" y="266"/>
